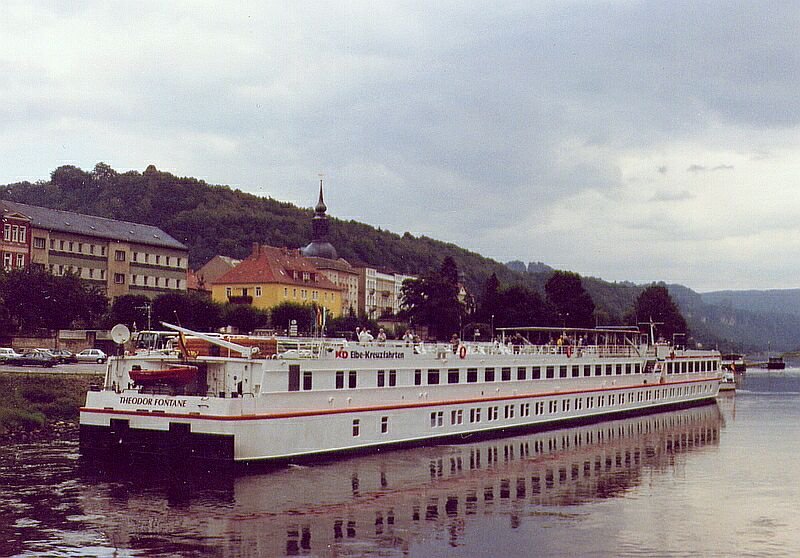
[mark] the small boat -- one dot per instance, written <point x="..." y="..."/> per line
<point x="775" y="363"/>
<point x="174" y="376"/>
<point x="728" y="381"/>
<point x="734" y="362"/>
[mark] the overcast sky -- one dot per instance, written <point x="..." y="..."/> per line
<point x="641" y="141"/>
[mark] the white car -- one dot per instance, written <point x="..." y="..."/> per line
<point x="8" y="352"/>
<point x="91" y="355"/>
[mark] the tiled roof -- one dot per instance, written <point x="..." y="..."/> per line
<point x="268" y="264"/>
<point x="90" y="225"/>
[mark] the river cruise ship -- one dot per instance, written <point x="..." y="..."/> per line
<point x="259" y="399"/>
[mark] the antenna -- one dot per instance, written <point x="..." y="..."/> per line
<point x="147" y="307"/>
<point x="652" y="325"/>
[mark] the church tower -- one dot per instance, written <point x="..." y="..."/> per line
<point x="320" y="247"/>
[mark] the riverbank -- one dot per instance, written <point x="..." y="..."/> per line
<point x="41" y="406"/>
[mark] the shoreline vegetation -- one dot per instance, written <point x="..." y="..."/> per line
<point x="37" y="406"/>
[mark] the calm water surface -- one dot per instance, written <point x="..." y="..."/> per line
<point x="717" y="480"/>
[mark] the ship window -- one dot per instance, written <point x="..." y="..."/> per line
<point x="683" y="367"/>
<point x="505" y="374"/>
<point x="713" y="365"/>
<point x="522" y="373"/>
<point x="587" y="370"/>
<point x="488" y="375"/>
<point x="437" y="419"/>
<point x="551" y="371"/>
<point x="576" y="370"/>
<point x="637" y="368"/>
<point x="433" y="376"/>
<point x="294" y="377"/>
<point x="536" y="373"/>
<point x="508" y="412"/>
<point x="525" y="410"/>
<point x="392" y="378"/>
<point x="306" y="381"/>
<point x="609" y="369"/>
<point x="619" y="369"/>
<point x="352" y="379"/>
<point x="691" y="366"/>
<point x="472" y="375"/>
<point x="417" y="377"/>
<point x="457" y="416"/>
<point x="381" y="378"/>
<point x="562" y="371"/>
<point x="340" y="379"/>
<point x="356" y="427"/>
<point x="628" y="368"/>
<point x="475" y="415"/>
<point x="452" y="376"/>
<point x="384" y="425"/>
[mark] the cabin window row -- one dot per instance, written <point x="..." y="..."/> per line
<point x="691" y="366"/>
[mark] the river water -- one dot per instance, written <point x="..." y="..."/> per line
<point x="716" y="480"/>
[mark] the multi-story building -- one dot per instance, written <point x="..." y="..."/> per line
<point x="119" y="257"/>
<point x="271" y="276"/>
<point x="344" y="276"/>
<point x="15" y="244"/>
<point x="213" y="269"/>
<point x="379" y="292"/>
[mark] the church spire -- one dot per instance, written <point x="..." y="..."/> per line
<point x="320" y="247"/>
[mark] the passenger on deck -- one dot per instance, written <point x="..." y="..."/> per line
<point x="381" y="336"/>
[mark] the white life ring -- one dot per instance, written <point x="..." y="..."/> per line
<point x="462" y="351"/>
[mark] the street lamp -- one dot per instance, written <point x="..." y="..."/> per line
<point x="492" y="327"/>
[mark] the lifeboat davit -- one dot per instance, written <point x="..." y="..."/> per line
<point x="175" y="375"/>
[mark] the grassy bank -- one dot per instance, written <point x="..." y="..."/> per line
<point x="34" y="402"/>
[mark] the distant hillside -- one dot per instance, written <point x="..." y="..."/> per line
<point x="778" y="301"/>
<point x="213" y="220"/>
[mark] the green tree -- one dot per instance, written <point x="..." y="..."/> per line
<point x="656" y="304"/>
<point x="244" y="317"/>
<point x="518" y="306"/>
<point x="432" y="300"/>
<point x="282" y="315"/>
<point x="573" y="305"/>
<point x="129" y="310"/>
<point x="35" y="299"/>
<point x="190" y="310"/>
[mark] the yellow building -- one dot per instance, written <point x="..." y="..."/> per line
<point x="271" y="276"/>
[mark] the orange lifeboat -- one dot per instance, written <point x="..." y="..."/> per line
<point x="175" y="376"/>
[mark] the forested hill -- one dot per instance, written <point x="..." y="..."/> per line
<point x="213" y="220"/>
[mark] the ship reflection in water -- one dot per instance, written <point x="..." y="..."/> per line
<point x="388" y="502"/>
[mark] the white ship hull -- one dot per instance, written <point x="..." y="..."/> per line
<point x="287" y="408"/>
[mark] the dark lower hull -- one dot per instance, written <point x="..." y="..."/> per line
<point x="119" y="442"/>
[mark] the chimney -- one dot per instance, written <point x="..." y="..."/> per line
<point x="256" y="249"/>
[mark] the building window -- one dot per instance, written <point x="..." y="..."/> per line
<point x="91" y="248"/>
<point x="228" y="292"/>
<point x="7" y="232"/>
<point x="38" y="242"/>
<point x="7" y="261"/>
<point x="258" y="291"/>
<point x="158" y="259"/>
<point x="356" y="427"/>
<point x="20" y="260"/>
<point x="119" y="278"/>
<point x="15" y="233"/>
<point x="22" y="233"/>
<point x="119" y="255"/>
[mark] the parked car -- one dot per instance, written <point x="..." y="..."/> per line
<point x="91" y="355"/>
<point x="33" y="358"/>
<point x="64" y="356"/>
<point x="7" y="352"/>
